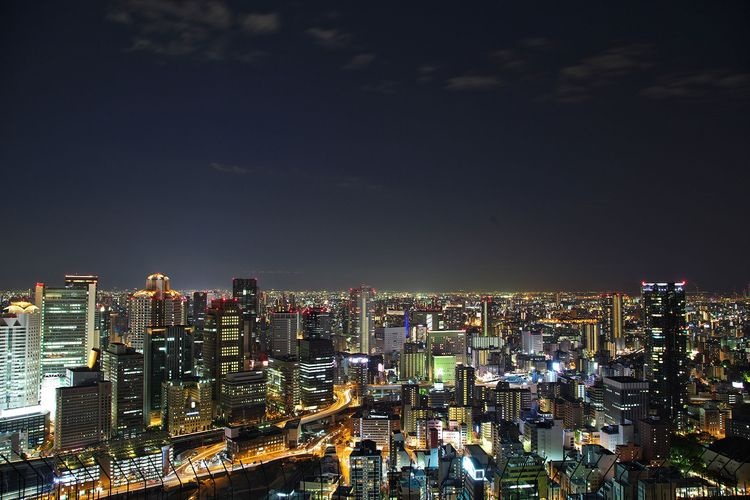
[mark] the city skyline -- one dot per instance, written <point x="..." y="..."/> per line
<point x="486" y="148"/>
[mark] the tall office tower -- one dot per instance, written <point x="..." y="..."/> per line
<point x="68" y="329"/>
<point x="282" y="380"/>
<point x="532" y="342"/>
<point x="359" y="365"/>
<point x="167" y="355"/>
<point x="243" y="397"/>
<point x="156" y="305"/>
<point x="20" y="343"/>
<point x="123" y="367"/>
<point x="412" y="362"/>
<point x="366" y="469"/>
<point x="446" y="348"/>
<point x="613" y="319"/>
<point x="222" y="342"/>
<point x="487" y="317"/>
<point x="362" y="326"/>
<point x="88" y="284"/>
<point x="510" y="402"/>
<point x="591" y="335"/>
<point x="625" y="398"/>
<point x="187" y="406"/>
<point x="464" y="385"/>
<point x="316" y="323"/>
<point x="285" y="328"/>
<point x="315" y="372"/>
<point x="409" y="400"/>
<point x="103" y="322"/>
<point x="200" y="304"/>
<point x="84" y="410"/>
<point x="654" y="438"/>
<point x="245" y="292"/>
<point x="665" y="354"/>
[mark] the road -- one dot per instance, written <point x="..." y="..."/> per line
<point x="201" y="458"/>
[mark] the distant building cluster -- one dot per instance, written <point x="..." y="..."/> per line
<point x="404" y="395"/>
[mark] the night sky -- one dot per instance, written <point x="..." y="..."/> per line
<point x="407" y="145"/>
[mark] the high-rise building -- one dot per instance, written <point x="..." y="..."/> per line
<point x="167" y="355"/>
<point x="245" y="292"/>
<point x="511" y="402"/>
<point x="625" y="398"/>
<point x="285" y="328"/>
<point x="410" y="399"/>
<point x="187" y="406"/>
<point x="532" y="342"/>
<point x="316" y="323"/>
<point x="68" y="329"/>
<point x="123" y="367"/>
<point x="613" y="318"/>
<point x="359" y="365"/>
<point x="156" y="305"/>
<point x="362" y="325"/>
<point x="315" y="372"/>
<point x="103" y="322"/>
<point x="450" y="345"/>
<point x="464" y="385"/>
<point x="654" y="438"/>
<point x="84" y="410"/>
<point x="412" y="361"/>
<point x="366" y="469"/>
<point x="200" y="304"/>
<point x="282" y="379"/>
<point x="591" y="333"/>
<point x="87" y="283"/>
<point x="222" y="342"/>
<point x="20" y="343"/>
<point x="243" y="397"/>
<point x="665" y="354"/>
<point x="487" y="317"/>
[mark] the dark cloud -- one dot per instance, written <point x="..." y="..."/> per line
<point x="472" y="82"/>
<point x="579" y="81"/>
<point x="385" y="87"/>
<point x="329" y="38"/>
<point x="230" y="169"/>
<point x="261" y="24"/>
<point x="426" y="73"/>
<point x="700" y="85"/>
<point x="206" y="30"/>
<point x="360" y="61"/>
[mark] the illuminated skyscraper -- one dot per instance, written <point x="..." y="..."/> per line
<point x="591" y="336"/>
<point x="243" y="397"/>
<point x="20" y="343"/>
<point x="612" y="305"/>
<point x="285" y="327"/>
<point x="245" y="292"/>
<point x="123" y="367"/>
<point x="84" y="409"/>
<point x="68" y="324"/>
<point x="200" y="304"/>
<point x="156" y="305"/>
<point x="366" y="466"/>
<point x="362" y="326"/>
<point x="282" y="381"/>
<point x="487" y="317"/>
<point x="666" y="348"/>
<point x="316" y="372"/>
<point x="222" y="342"/>
<point x="316" y="323"/>
<point x="464" y="385"/>
<point x="167" y="355"/>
